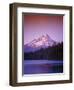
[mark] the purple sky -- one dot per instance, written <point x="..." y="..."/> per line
<point x="38" y="25"/>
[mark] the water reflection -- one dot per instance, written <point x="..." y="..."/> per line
<point x="43" y="66"/>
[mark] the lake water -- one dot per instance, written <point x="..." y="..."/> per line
<point x="42" y="66"/>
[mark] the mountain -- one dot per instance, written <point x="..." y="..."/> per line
<point x="42" y="42"/>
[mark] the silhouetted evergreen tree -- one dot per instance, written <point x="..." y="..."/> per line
<point x="50" y="53"/>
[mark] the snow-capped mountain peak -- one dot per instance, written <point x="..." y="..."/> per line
<point x="42" y="42"/>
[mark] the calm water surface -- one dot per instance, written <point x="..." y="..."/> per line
<point x="42" y="66"/>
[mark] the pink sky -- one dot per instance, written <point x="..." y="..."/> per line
<point x="37" y="25"/>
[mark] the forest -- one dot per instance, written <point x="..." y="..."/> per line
<point x="54" y="52"/>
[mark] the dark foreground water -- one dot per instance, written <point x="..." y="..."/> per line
<point x="42" y="66"/>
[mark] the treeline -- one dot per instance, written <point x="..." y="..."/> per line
<point x="50" y="53"/>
